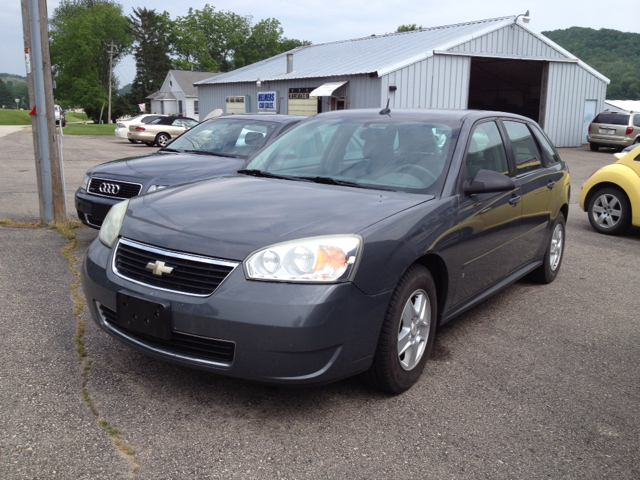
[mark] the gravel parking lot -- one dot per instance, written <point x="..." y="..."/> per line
<point x="537" y="382"/>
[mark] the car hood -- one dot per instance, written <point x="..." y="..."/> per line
<point x="231" y="216"/>
<point x="167" y="168"/>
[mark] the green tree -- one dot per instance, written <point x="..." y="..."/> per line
<point x="408" y="27"/>
<point x="6" y="96"/>
<point x="150" y="31"/>
<point x="81" y="35"/>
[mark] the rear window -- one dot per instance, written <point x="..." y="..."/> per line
<point x="612" y="119"/>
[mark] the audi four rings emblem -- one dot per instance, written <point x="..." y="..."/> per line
<point x="109" y="188"/>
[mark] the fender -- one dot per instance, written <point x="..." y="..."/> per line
<point x="620" y="175"/>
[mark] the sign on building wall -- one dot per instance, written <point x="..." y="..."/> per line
<point x="300" y="103"/>
<point x="237" y="104"/>
<point x="268" y="102"/>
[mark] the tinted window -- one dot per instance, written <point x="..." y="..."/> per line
<point x="612" y="119"/>
<point x="524" y="147"/>
<point x="636" y="120"/>
<point x="486" y="151"/>
<point x="550" y="153"/>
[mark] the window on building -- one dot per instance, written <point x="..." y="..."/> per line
<point x="162" y="107"/>
<point x="180" y="107"/>
<point x="195" y="106"/>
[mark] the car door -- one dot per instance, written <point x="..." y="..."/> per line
<point x="488" y="222"/>
<point x="537" y="183"/>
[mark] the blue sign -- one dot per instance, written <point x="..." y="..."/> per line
<point x="268" y="102"/>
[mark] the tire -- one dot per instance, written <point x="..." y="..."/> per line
<point x="594" y="147"/>
<point x="393" y="370"/>
<point x="134" y="141"/>
<point x="609" y="211"/>
<point x="548" y="271"/>
<point x="64" y="123"/>
<point x="150" y="144"/>
<point x="162" y="139"/>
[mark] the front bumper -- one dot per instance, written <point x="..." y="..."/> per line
<point x="281" y="333"/>
<point x="92" y="209"/>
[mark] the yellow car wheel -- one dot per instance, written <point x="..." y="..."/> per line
<point x="609" y="211"/>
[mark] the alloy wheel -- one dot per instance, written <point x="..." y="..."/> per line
<point x="413" y="331"/>
<point x="555" y="251"/>
<point x="607" y="210"/>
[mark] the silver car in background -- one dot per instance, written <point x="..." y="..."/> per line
<point x="614" y="129"/>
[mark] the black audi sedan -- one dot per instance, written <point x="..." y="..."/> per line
<point x="216" y="146"/>
<point x="337" y="250"/>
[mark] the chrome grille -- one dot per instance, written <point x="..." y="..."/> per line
<point x="113" y="188"/>
<point x="191" y="274"/>
<point x="192" y="346"/>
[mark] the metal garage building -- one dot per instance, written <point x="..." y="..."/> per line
<point x="495" y="64"/>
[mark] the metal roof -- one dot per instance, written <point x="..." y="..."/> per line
<point x="361" y="55"/>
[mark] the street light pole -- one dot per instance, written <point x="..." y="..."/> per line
<point x="110" y="75"/>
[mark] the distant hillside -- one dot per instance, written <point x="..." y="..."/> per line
<point x="613" y="53"/>
<point x="12" y="79"/>
<point x="124" y="90"/>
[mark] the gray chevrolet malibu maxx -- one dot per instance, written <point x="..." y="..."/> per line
<point x="339" y="248"/>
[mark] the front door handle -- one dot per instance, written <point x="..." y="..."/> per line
<point x="551" y="184"/>
<point x="514" y="200"/>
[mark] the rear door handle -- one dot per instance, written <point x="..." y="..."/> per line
<point x="551" y="184"/>
<point x="514" y="200"/>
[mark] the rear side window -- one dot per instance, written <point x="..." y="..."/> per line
<point x="547" y="149"/>
<point x="636" y="120"/>
<point x="612" y="118"/>
<point x="524" y="147"/>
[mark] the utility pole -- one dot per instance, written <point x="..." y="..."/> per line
<point x="110" y="75"/>
<point x="38" y="60"/>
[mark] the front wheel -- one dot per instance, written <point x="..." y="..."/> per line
<point x="162" y="139"/>
<point x="407" y="333"/>
<point x="548" y="271"/>
<point x="609" y="211"/>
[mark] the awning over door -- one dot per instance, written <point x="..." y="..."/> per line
<point x="327" y="89"/>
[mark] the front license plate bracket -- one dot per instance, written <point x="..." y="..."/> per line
<point x="151" y="318"/>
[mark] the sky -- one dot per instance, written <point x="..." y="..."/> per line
<point x="321" y="21"/>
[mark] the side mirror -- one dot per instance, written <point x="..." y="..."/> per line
<point x="488" y="181"/>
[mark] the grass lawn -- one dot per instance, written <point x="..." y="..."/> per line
<point x="89" y="129"/>
<point x="76" y="117"/>
<point x="14" y="117"/>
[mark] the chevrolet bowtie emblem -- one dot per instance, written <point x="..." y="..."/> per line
<point x="158" y="268"/>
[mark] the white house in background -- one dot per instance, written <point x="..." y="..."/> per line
<point x="177" y="94"/>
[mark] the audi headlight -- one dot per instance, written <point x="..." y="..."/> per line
<point x="113" y="221"/>
<point x="327" y="259"/>
<point x="154" y="188"/>
<point x="85" y="182"/>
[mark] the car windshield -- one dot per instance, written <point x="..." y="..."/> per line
<point x="227" y="137"/>
<point x="385" y="152"/>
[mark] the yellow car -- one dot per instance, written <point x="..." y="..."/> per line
<point x="611" y="196"/>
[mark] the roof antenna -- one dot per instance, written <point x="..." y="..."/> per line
<point x="385" y="110"/>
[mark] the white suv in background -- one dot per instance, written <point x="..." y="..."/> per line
<point x="59" y="115"/>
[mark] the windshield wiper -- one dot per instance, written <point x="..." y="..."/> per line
<point x="344" y="183"/>
<point x="217" y="154"/>
<point x="265" y="174"/>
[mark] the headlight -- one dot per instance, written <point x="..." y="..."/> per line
<point x="113" y="221"/>
<point x="154" y="188"/>
<point x="85" y="182"/>
<point x="328" y="259"/>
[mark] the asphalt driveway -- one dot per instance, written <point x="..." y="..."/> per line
<point x="537" y="382"/>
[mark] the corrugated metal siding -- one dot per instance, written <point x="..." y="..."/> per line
<point x="510" y="40"/>
<point x="569" y="85"/>
<point x="362" y="91"/>
<point x="441" y="81"/>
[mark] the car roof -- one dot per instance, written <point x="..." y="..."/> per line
<point x="426" y="114"/>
